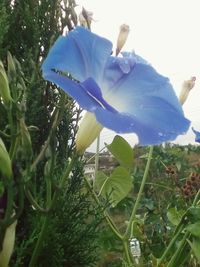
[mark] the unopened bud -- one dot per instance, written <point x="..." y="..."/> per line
<point x="122" y="37"/>
<point x="4" y="86"/>
<point x="85" y="18"/>
<point x="186" y="87"/>
<point x="47" y="168"/>
<point x="11" y="66"/>
<point x="88" y="131"/>
<point x="8" y="245"/>
<point x="5" y="162"/>
<point x="26" y="138"/>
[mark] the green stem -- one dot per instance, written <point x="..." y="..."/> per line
<point x="9" y="206"/>
<point x="178" y="251"/>
<point x="126" y="235"/>
<point x="34" y="202"/>
<point x="57" y="116"/>
<point x="63" y="180"/>
<point x="39" y="243"/>
<point x="94" y="155"/>
<point x="196" y="198"/>
<point x="4" y="134"/>
<point x="106" y="215"/>
<point x="46" y="144"/>
<point x="103" y="185"/>
<point x="183" y="241"/>
<point x="12" y="133"/>
<point x="97" y="156"/>
<point x="112" y="225"/>
<point x="127" y="254"/>
<point x="49" y="190"/>
<point x="172" y="242"/>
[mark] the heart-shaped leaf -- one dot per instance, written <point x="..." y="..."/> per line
<point x="114" y="187"/>
<point x="122" y="151"/>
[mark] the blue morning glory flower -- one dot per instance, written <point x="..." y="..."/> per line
<point x="197" y="135"/>
<point x="124" y="94"/>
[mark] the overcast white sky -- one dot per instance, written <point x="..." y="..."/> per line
<point x="165" y="33"/>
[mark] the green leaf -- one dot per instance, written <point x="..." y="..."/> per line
<point x="100" y="180"/>
<point x="195" y="245"/>
<point x="194" y="214"/>
<point x="122" y="151"/>
<point x="194" y="229"/>
<point x="116" y="187"/>
<point x="174" y="215"/>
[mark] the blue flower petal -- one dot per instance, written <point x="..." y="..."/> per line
<point x="140" y="82"/>
<point x="93" y="89"/>
<point x="116" y="67"/>
<point x="74" y="89"/>
<point x="87" y="94"/>
<point x="81" y="53"/>
<point x="197" y="135"/>
<point x="159" y="128"/>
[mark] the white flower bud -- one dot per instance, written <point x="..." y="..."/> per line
<point x="4" y="86"/>
<point x="8" y="245"/>
<point x="88" y="131"/>
<point x="186" y="87"/>
<point x="122" y="37"/>
<point x="85" y="18"/>
<point x="5" y="162"/>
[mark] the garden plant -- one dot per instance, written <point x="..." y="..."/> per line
<point x="60" y="85"/>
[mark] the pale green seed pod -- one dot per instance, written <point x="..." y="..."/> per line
<point x="26" y="138"/>
<point x="11" y="66"/>
<point x="8" y="245"/>
<point x="5" y="162"/>
<point x="4" y="86"/>
<point x="47" y="168"/>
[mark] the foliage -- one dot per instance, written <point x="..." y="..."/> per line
<point x="72" y="230"/>
<point x="111" y="187"/>
<point x="163" y="206"/>
<point x="38" y="128"/>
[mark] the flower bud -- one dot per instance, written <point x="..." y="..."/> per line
<point x="47" y="168"/>
<point x="4" y="86"/>
<point x="26" y="138"/>
<point x="5" y="162"/>
<point x="122" y="37"/>
<point x="11" y="66"/>
<point x="85" y="18"/>
<point x="88" y="131"/>
<point x="8" y="245"/>
<point x="186" y="87"/>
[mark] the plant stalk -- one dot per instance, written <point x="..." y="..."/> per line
<point x="126" y="235"/>
<point x="39" y="243"/>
